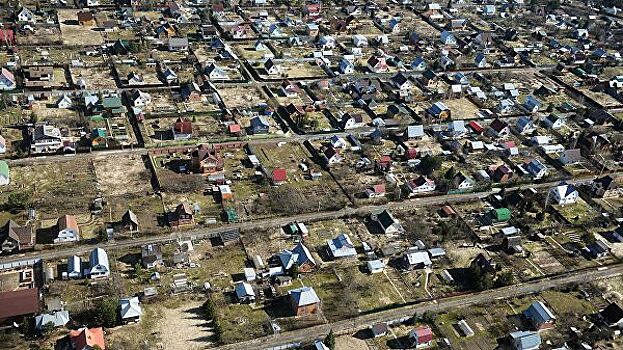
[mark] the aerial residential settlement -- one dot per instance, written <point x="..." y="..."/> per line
<point x="347" y="174"/>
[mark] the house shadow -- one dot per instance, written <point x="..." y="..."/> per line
<point x="461" y="278"/>
<point x="230" y="297"/>
<point x="399" y="343"/>
<point x="363" y="334"/>
<point x="515" y="320"/>
<point x="131" y="259"/>
<point x="71" y="22"/>
<point x="46" y="235"/>
<point x="236" y="277"/>
<point x="323" y="253"/>
<point x="373" y="227"/>
<point x="162" y="135"/>
<point x="278" y="307"/>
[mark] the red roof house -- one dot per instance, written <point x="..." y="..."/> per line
<point x="87" y="338"/>
<point x="279" y="176"/>
<point x="474" y="125"/>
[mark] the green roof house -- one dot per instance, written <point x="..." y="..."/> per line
<point x="231" y="215"/>
<point x="4" y="173"/>
<point x="500" y="214"/>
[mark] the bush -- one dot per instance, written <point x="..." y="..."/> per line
<point x="106" y="312"/>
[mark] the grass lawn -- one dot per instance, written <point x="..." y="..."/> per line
<point x="578" y="213"/>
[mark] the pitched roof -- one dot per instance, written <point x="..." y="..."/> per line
<point x="304" y="296"/>
<point x="130" y="307"/>
<point x="84" y="337"/>
<point x="67" y="222"/>
<point x="539" y="313"/>
<point x="279" y="175"/>
<point x="19" y="302"/>
<point x="299" y="255"/>
<point x="613" y="313"/>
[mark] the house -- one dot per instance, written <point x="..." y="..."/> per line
<point x="447" y="38"/>
<point x="169" y="76"/>
<point x="98" y="264"/>
<point x="244" y="292"/>
<point x="26" y="16"/>
<point x="421" y="184"/>
<point x="612" y="316"/>
<point x="419" y="64"/>
<point x="130" y="310"/>
<point x="553" y="121"/>
<point x="416" y="259"/>
<point x="379" y="329"/>
<point x="525" y="125"/>
<point x="532" y="104"/>
<point x="67" y="229"/>
<point x="488" y="10"/>
<point x="271" y="67"/>
<point x="485" y="264"/>
<point x="421" y="337"/>
<point x="7" y="80"/>
<point x="87" y="338"/>
<point x="536" y="169"/>
<point x="434" y="11"/>
<point x="351" y="121"/>
<point x="86" y="18"/>
<point x="279" y="176"/>
<point x="598" y="249"/>
<point x="387" y="223"/>
<point x="499" y="128"/>
<point x="289" y="89"/>
<point x="360" y="40"/>
<point x="45" y="139"/>
<point x="462" y="182"/>
<point x="214" y="72"/>
<point x="259" y="125"/>
<point x="191" y="92"/>
<point x="414" y="132"/>
<point x="304" y="301"/>
<point x="346" y="66"/>
<point x="56" y="319"/>
<point x="182" y="129"/>
<point x="465" y="328"/>
<point x="525" y="340"/>
<point x="331" y="156"/>
<point x="445" y="62"/>
<point x="319" y="345"/>
<point x="439" y="110"/>
<point x="15" y="238"/>
<point x="563" y="194"/>
<point x="5" y="178"/>
<point x="375" y="191"/>
<point x="539" y="316"/>
<point x="206" y="160"/>
<point x="502" y="173"/>
<point x="480" y="60"/>
<point x="570" y="156"/>
<point x="129" y="221"/>
<point x="375" y="266"/>
<point x="605" y="187"/>
<point x="7" y="37"/>
<point x="377" y="64"/>
<point x="341" y="247"/>
<point x="151" y="256"/>
<point x="74" y="267"/>
<point x="402" y="83"/>
<point x="182" y="215"/>
<point x="300" y="256"/>
<point x="140" y="98"/>
<point x="178" y="44"/>
<point x="19" y="303"/>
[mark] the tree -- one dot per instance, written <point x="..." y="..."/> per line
<point x="18" y="201"/>
<point x="505" y="278"/>
<point x="294" y="270"/>
<point x="430" y="164"/>
<point x="106" y="312"/>
<point x="209" y="309"/>
<point x="329" y="341"/>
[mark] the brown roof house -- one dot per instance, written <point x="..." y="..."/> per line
<point x="67" y="229"/>
<point x="304" y="301"/>
<point x="206" y="160"/>
<point x="15" y="238"/>
<point x="182" y="215"/>
<point x="19" y="303"/>
<point x="86" y="18"/>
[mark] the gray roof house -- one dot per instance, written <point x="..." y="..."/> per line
<point x="525" y="340"/>
<point x="98" y="264"/>
<point x="130" y="310"/>
<point x="244" y="292"/>
<point x="387" y="222"/>
<point x="299" y="255"/>
<point x="57" y="319"/>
